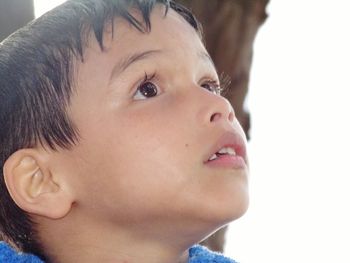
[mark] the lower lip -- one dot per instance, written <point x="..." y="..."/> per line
<point x="227" y="161"/>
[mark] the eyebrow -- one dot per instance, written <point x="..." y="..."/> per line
<point x="131" y="59"/>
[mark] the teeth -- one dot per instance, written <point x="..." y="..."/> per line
<point x="214" y="156"/>
<point x="227" y="150"/>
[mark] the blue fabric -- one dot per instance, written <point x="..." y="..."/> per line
<point x="8" y="255"/>
<point x="197" y="254"/>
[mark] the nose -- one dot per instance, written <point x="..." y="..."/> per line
<point x="221" y="111"/>
<point x="216" y="109"/>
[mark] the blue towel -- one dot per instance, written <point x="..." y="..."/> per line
<point x="8" y="255"/>
<point x="197" y="254"/>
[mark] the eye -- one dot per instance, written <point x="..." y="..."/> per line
<point x="147" y="89"/>
<point x="212" y="86"/>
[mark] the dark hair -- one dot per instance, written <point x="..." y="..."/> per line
<point x="37" y="65"/>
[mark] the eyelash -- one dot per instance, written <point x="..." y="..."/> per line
<point x="215" y="86"/>
<point x="221" y="87"/>
<point x="146" y="79"/>
<point x="225" y="83"/>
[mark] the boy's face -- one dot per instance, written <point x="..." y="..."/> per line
<point x="141" y="159"/>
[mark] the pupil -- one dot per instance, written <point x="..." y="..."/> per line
<point x="148" y="89"/>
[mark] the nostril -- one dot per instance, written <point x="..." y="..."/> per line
<point x="231" y="117"/>
<point x="215" y="117"/>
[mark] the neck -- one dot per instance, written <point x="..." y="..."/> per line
<point x="134" y="253"/>
<point x="95" y="243"/>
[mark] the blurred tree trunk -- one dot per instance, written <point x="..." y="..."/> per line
<point x="230" y="27"/>
<point x="14" y="14"/>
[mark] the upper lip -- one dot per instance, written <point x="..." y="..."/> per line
<point x="229" y="139"/>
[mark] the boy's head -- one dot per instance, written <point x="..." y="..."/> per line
<point x="110" y="129"/>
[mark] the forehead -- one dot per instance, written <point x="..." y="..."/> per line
<point x="168" y="31"/>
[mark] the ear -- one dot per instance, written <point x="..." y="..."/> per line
<point x="32" y="185"/>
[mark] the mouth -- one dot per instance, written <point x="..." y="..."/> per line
<point x="228" y="152"/>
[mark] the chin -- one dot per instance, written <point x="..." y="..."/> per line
<point x="223" y="219"/>
<point x="235" y="212"/>
<point x="229" y="209"/>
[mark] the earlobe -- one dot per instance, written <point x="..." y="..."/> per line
<point x="32" y="185"/>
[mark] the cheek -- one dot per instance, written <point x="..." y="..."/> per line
<point x="155" y="129"/>
<point x="139" y="144"/>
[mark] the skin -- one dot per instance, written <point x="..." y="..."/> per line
<point x="140" y="189"/>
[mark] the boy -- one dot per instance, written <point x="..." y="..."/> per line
<point x="115" y="143"/>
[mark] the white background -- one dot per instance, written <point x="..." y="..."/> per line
<point x="300" y="105"/>
<point x="42" y="6"/>
<point x="299" y="102"/>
